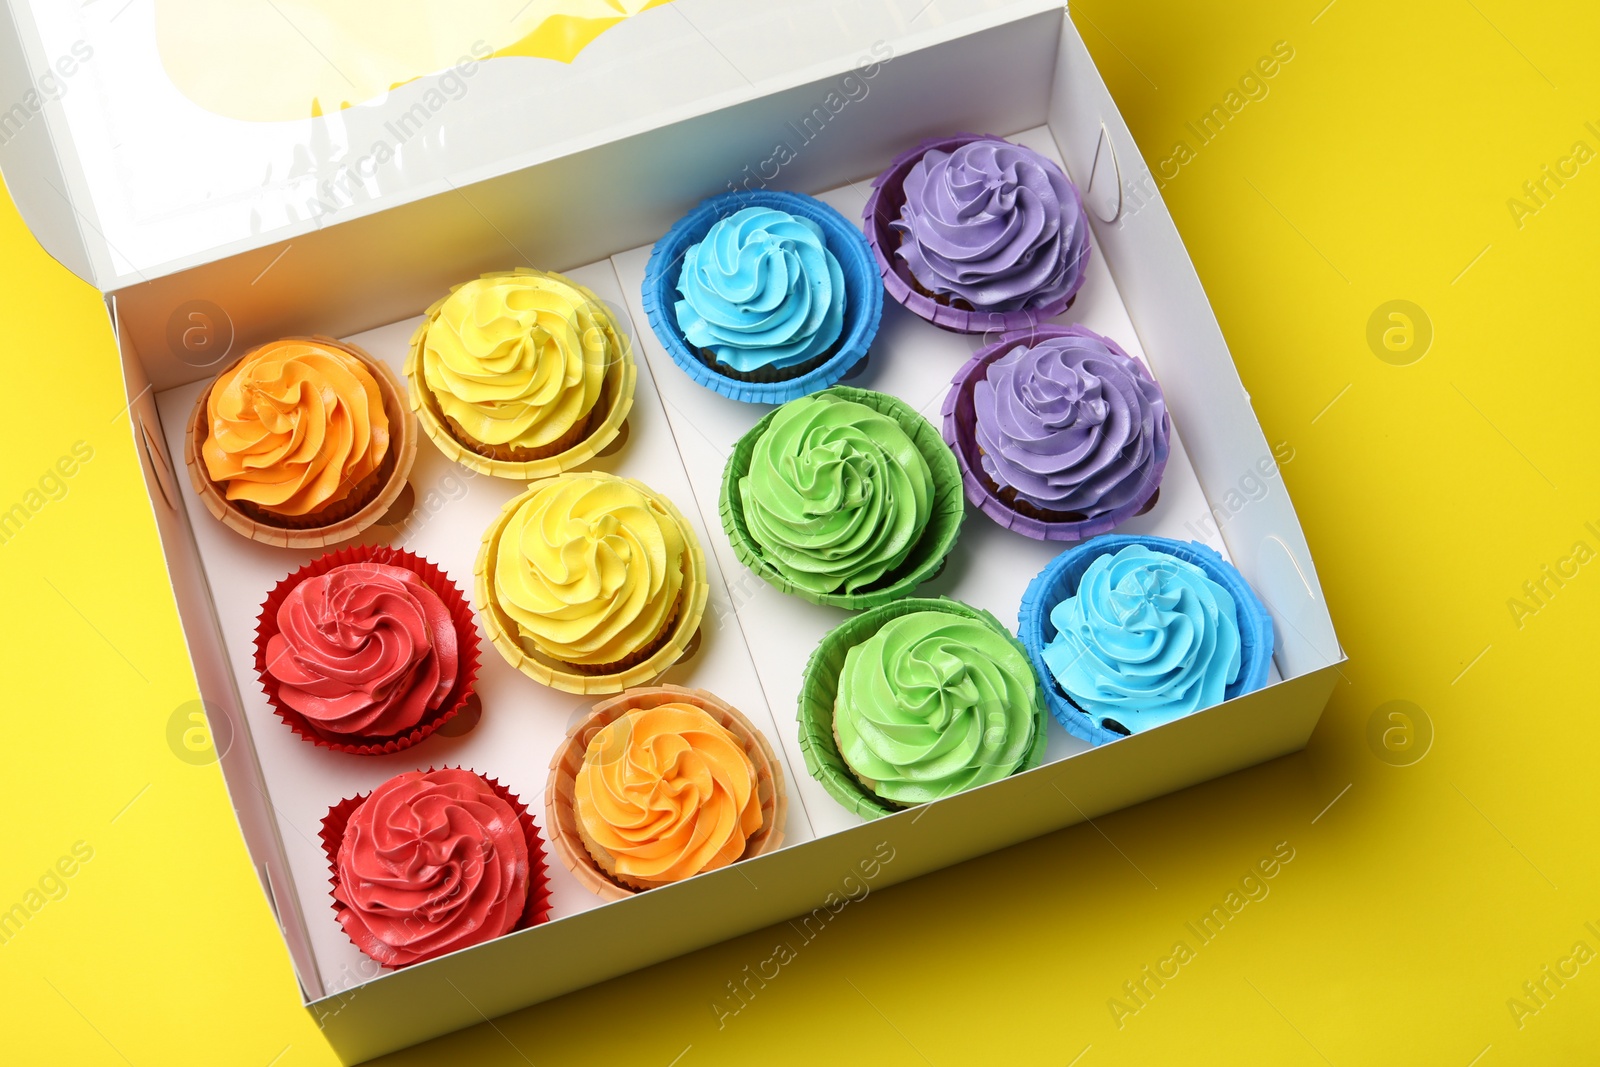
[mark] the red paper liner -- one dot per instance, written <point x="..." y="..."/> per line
<point x="537" y="909"/>
<point x="461" y="616"/>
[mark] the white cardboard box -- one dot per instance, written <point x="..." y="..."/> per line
<point x="846" y="86"/>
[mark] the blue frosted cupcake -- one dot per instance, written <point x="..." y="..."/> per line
<point x="764" y="296"/>
<point x="1131" y="632"/>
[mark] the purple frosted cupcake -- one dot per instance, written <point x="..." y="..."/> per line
<point x="974" y="233"/>
<point x="1061" y="435"/>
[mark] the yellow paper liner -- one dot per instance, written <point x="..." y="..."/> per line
<point x="318" y="529"/>
<point x="561" y="816"/>
<point x="571" y="678"/>
<point x="612" y="407"/>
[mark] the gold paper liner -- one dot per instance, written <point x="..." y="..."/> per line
<point x="613" y="405"/>
<point x="510" y="454"/>
<point x="570" y="678"/>
<point x="561" y="818"/>
<point x="340" y="521"/>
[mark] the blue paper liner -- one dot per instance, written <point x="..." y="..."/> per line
<point x="1059" y="580"/>
<point x="863" y="294"/>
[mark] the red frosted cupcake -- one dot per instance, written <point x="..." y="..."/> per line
<point x="366" y="650"/>
<point x="434" y="861"/>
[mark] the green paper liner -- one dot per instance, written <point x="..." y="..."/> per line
<point x="819" y="688"/>
<point x="927" y="557"/>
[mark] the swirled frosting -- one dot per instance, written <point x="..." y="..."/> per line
<point x="365" y="649"/>
<point x="665" y="793"/>
<point x="934" y="703"/>
<point x="431" y="862"/>
<point x="590" y="568"/>
<point x="761" y="290"/>
<point x="294" y="426"/>
<point x="837" y="494"/>
<point x="993" y="224"/>
<point x="1146" y="637"/>
<point x="1072" y="424"/>
<point x="519" y="359"/>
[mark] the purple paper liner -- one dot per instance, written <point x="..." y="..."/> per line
<point x="1059" y="580"/>
<point x="959" y="425"/>
<point x="883" y="207"/>
<point x="863" y="294"/>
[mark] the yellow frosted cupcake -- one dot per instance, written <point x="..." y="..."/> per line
<point x="300" y="442"/>
<point x="522" y="374"/>
<point x="591" y="583"/>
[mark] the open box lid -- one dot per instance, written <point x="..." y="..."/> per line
<point x="142" y="137"/>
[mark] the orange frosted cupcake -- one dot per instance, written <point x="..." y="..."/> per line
<point x="300" y="442"/>
<point x="661" y="784"/>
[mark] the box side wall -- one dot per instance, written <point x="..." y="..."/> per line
<point x="229" y="740"/>
<point x="584" y="207"/>
<point x="29" y="159"/>
<point x="1167" y="304"/>
<point x="425" y="1001"/>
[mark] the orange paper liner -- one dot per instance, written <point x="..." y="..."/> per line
<point x="335" y="522"/>
<point x="466" y="638"/>
<point x="565" y="838"/>
<point x="537" y="909"/>
<point x="572" y="678"/>
<point x="602" y="427"/>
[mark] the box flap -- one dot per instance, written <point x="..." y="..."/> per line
<point x="180" y="132"/>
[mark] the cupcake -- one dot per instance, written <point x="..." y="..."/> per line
<point x="846" y="497"/>
<point x="1129" y="632"/>
<point x="366" y="650"/>
<point x="763" y="296"/>
<point x="661" y="784"/>
<point x="591" y="583"/>
<point x="300" y="443"/>
<point x="1060" y="434"/>
<point x="976" y="234"/>
<point x="434" y="861"/>
<point x="918" y="700"/>
<point x="522" y="374"/>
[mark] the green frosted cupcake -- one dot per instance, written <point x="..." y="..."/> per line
<point x="845" y="497"/>
<point x="918" y="700"/>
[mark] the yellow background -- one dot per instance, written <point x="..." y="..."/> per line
<point x="1378" y="168"/>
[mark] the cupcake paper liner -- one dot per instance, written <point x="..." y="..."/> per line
<point x="959" y="429"/>
<point x="863" y="295"/>
<point x="537" y="909"/>
<point x="819" y="688"/>
<point x="883" y="207"/>
<point x="1059" y="580"/>
<point x="927" y="558"/>
<point x="604" y="423"/>
<point x="565" y="838"/>
<point x="570" y="678"/>
<point x="338" y="522"/>
<point x="466" y="641"/>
